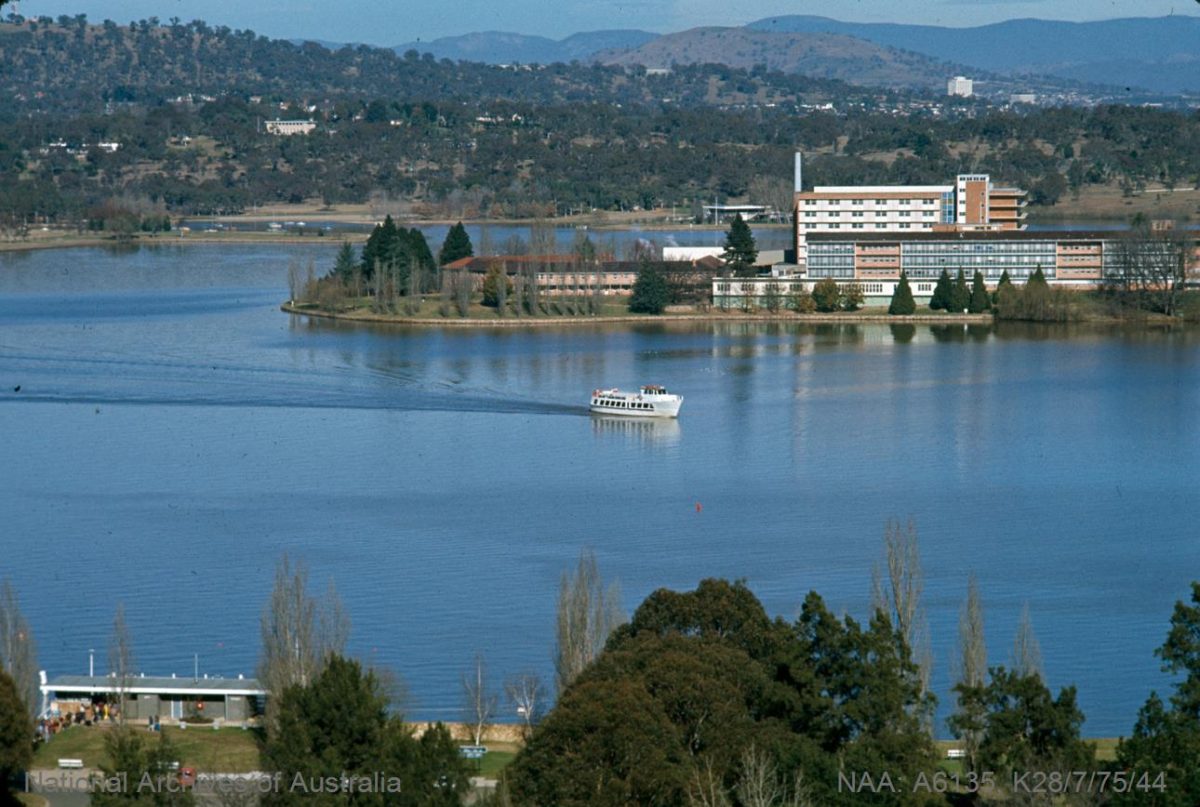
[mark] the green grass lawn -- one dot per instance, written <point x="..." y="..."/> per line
<point x="206" y="749"/>
<point x="499" y="756"/>
<point x="1106" y="748"/>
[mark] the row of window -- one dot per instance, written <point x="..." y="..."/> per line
<point x="861" y="202"/>
<point x="904" y="225"/>
<point x="858" y="214"/>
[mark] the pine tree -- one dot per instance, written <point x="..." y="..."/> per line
<point x="940" y="301"/>
<point x="1038" y="278"/>
<point x="902" y="298"/>
<point x="740" y="249"/>
<point x="650" y="292"/>
<point x="960" y="294"/>
<point x="344" y="264"/>
<point x="380" y="249"/>
<point x="980" y="300"/>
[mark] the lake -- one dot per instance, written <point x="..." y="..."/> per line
<point x="174" y="433"/>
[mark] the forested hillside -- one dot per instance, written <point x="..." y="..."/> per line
<point x="68" y="64"/>
<point x="186" y="104"/>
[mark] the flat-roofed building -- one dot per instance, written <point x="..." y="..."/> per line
<point x="960" y="86"/>
<point x="150" y="697"/>
<point x="971" y="203"/>
<point x="289" y="127"/>
<point x="873" y="261"/>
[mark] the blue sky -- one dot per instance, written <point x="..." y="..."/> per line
<point x="392" y="22"/>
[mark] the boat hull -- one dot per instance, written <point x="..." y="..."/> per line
<point x="659" y="411"/>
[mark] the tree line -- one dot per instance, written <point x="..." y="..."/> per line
<point x="558" y="139"/>
<point x="699" y="697"/>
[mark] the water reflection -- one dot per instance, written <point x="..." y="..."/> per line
<point x="658" y="432"/>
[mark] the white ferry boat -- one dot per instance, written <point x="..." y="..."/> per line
<point x="651" y="401"/>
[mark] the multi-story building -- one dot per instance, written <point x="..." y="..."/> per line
<point x="961" y="86"/>
<point x="972" y="202"/>
<point x="873" y="261"/>
<point x="289" y="127"/>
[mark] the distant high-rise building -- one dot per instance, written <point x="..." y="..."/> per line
<point x="960" y="86"/>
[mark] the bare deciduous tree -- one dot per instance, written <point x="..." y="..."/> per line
<point x="587" y="613"/>
<point x="761" y="785"/>
<point x="898" y="593"/>
<point x="1027" y="653"/>
<point x="299" y="632"/>
<point x="295" y="279"/>
<point x="479" y="701"/>
<point x="972" y="660"/>
<point x="120" y="660"/>
<point x="706" y="788"/>
<point x="18" y="650"/>
<point x="527" y="695"/>
<point x="1150" y="264"/>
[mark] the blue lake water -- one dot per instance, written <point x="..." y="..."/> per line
<point x="174" y="433"/>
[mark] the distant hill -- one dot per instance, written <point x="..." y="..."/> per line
<point x="818" y="55"/>
<point x="498" y="47"/>
<point x="1158" y="53"/>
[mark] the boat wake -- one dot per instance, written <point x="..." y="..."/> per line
<point x="164" y="380"/>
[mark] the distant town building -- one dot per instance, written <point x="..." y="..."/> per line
<point x="1023" y="98"/>
<point x="289" y="127"/>
<point x="960" y="86"/>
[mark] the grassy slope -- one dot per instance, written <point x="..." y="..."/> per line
<point x="206" y="749"/>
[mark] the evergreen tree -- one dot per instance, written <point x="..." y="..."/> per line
<point x="1005" y="280"/>
<point x="146" y="766"/>
<point x="344" y="264"/>
<point x="16" y="733"/>
<point x="1166" y="738"/>
<point x="940" y="301"/>
<point x="740" y="249"/>
<point x="339" y="725"/>
<point x="491" y="286"/>
<point x="1025" y="728"/>
<point x="650" y="292"/>
<point x="827" y="295"/>
<point x="960" y="294"/>
<point x="1038" y="278"/>
<point x="902" y="298"/>
<point x="380" y="249"/>
<point x="980" y="299"/>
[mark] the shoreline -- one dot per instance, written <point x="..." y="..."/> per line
<point x="642" y="319"/>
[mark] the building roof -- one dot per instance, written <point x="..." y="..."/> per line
<point x="486" y="261"/>
<point x="881" y="190"/>
<point x="153" y="685"/>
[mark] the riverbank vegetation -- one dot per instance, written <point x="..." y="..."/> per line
<point x="699" y="697"/>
